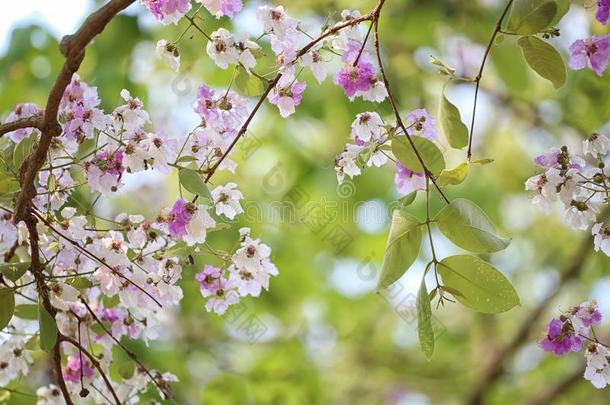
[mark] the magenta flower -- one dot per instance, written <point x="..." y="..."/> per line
<point x="76" y="366"/>
<point x="603" y="11"/>
<point x="218" y="8"/>
<point x="355" y="78"/>
<point x="407" y="181"/>
<point x="560" y="338"/>
<point x="209" y="279"/>
<point x="168" y="11"/>
<point x="181" y="215"/>
<point x="593" y="52"/>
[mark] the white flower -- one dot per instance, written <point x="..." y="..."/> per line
<point x="598" y="369"/>
<point x="169" y="52"/>
<point x="347" y="162"/>
<point x="580" y="214"/>
<point x="227" y="200"/>
<point x="222" y="48"/>
<point x="377" y="159"/>
<point x="545" y="186"/>
<point x="596" y="144"/>
<point x="601" y="238"/>
<point x="276" y="21"/>
<point x="377" y="93"/>
<point x="63" y="296"/>
<point x="367" y="125"/>
<point x="196" y="230"/>
<point x="49" y="395"/>
<point x="313" y="60"/>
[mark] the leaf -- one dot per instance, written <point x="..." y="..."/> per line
<point x="190" y="180"/>
<point x="7" y="306"/>
<point x="424" y="321"/>
<point x="8" y="184"/>
<point x="451" y="122"/>
<point x="127" y="369"/>
<point x="27" y="311"/>
<point x="403" y="246"/>
<point x="248" y="84"/>
<point x="535" y="17"/>
<point x="467" y="225"/>
<point x="481" y="286"/>
<point x="80" y="282"/>
<point x="454" y="176"/>
<point x="429" y="152"/>
<point x="14" y="271"/>
<point x="482" y="161"/>
<point x="408" y="199"/>
<point x="563" y="6"/>
<point x="48" y="328"/>
<point x="544" y="59"/>
<point x="23" y="150"/>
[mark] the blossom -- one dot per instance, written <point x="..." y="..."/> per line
<point x="277" y="22"/>
<point x="603" y="11"/>
<point x="223" y="114"/>
<point x="545" y="187"/>
<point x="596" y="144"/>
<point x="560" y="338"/>
<point x="170" y="53"/>
<point x="168" y="11"/>
<point x="181" y="214"/>
<point x="598" y="368"/>
<point x="76" y="367"/>
<point x="584" y="316"/>
<point x="14" y="359"/>
<point x="421" y="123"/>
<point x="219" y="8"/>
<point x="104" y="171"/>
<point x="593" y="52"/>
<point x="226" y="199"/>
<point x="49" y="395"/>
<point x="354" y="79"/>
<point x="313" y="60"/>
<point x="79" y="110"/>
<point x="580" y="214"/>
<point x="131" y="117"/>
<point x="367" y="125"/>
<point x="287" y="97"/>
<point x="601" y="238"/>
<point x="407" y="181"/>
<point x="196" y="230"/>
<point x="348" y="162"/>
<point x="25" y="110"/>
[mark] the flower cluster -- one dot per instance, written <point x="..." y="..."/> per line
<point x="593" y="52"/>
<point x="370" y="135"/>
<point x="571" y="331"/>
<point x="580" y="181"/>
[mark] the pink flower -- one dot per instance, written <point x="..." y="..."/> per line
<point x="209" y="280"/>
<point x="181" y="214"/>
<point x="355" y="79"/>
<point x="168" y="11"/>
<point x="422" y="123"/>
<point x="287" y="98"/>
<point x="219" y="8"/>
<point x="24" y="110"/>
<point x="593" y="52"/>
<point x="603" y="11"/>
<point x="104" y="171"/>
<point x="560" y="338"/>
<point x="407" y="181"/>
<point x="76" y="366"/>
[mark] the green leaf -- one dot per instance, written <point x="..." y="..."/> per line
<point x="127" y="369"/>
<point x="190" y="180"/>
<point x="8" y="184"/>
<point x="482" y="161"/>
<point x="454" y="176"/>
<point x="544" y="59"/>
<point x="14" y="271"/>
<point x="408" y="199"/>
<point x="451" y="122"/>
<point x="466" y="225"/>
<point x="424" y="321"/>
<point x="27" y="311"/>
<point x="80" y="282"/>
<point x="23" y="150"/>
<point x="563" y="6"/>
<point x="402" y="248"/>
<point x="429" y="152"/>
<point x="7" y="306"/>
<point x="532" y="16"/>
<point x="248" y="84"/>
<point x="48" y="328"/>
<point x="482" y="287"/>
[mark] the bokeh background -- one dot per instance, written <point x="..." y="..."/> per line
<point x="321" y="335"/>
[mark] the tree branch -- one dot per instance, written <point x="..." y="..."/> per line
<point x="30" y="122"/>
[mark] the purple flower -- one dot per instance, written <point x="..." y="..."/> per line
<point x="287" y="98"/>
<point x="76" y="366"/>
<point x="593" y="52"/>
<point x="422" y="123"/>
<point x="180" y="216"/>
<point x="355" y="78"/>
<point x="222" y="7"/>
<point x="168" y="11"/>
<point x="560" y="338"/>
<point x="407" y="181"/>
<point x="209" y="278"/>
<point x="603" y="11"/>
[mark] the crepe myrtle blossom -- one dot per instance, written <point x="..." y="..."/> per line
<point x="347" y="163"/>
<point x="129" y="119"/>
<point x="596" y="144"/>
<point x="277" y="22"/>
<point x="407" y="181"/>
<point x="188" y="222"/>
<point x="421" y="123"/>
<point x="225" y="50"/>
<point x="219" y="8"/>
<point x="219" y="291"/>
<point x="544" y="187"/>
<point x="601" y="238"/>
<point x="224" y="113"/>
<point x="561" y="338"/>
<point x="313" y="60"/>
<point x="105" y="171"/>
<point x="25" y="110"/>
<point x="367" y="125"/>
<point x="49" y="395"/>
<point x="592" y="52"/>
<point x="168" y="11"/>
<point x="581" y="213"/>
<point x="603" y="11"/>
<point x="286" y="96"/>
<point x="77" y="366"/>
<point x="15" y="360"/>
<point x="169" y="51"/>
<point x="226" y="200"/>
<point x="598" y="367"/>
<point x="584" y="316"/>
<point x="79" y="111"/>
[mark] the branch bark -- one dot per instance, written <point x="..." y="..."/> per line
<point x="30" y="122"/>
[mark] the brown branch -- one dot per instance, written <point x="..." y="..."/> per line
<point x="73" y="48"/>
<point x="495" y="368"/>
<point x="394" y="105"/>
<point x="30" y="122"/>
<point x="94" y="361"/>
<point x="477" y="79"/>
<point x="273" y="82"/>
